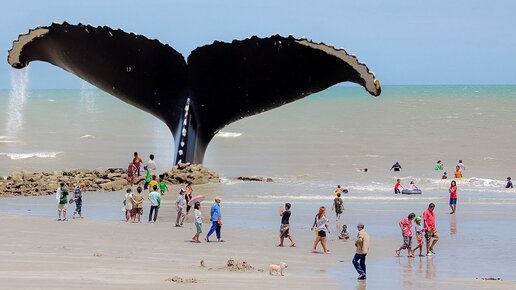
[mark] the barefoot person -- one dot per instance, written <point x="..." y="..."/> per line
<point x="431" y="234"/>
<point x="321" y="226"/>
<point x="453" y="196"/>
<point x="128" y="203"/>
<point x="338" y="206"/>
<point x="198" y="221"/>
<point x="188" y="196"/>
<point x="63" y="203"/>
<point x="419" y="236"/>
<point x="77" y="197"/>
<point x="216" y="220"/>
<point x="406" y="232"/>
<point x="397" y="186"/>
<point x="137" y="161"/>
<point x="285" y="225"/>
<point x="131" y="173"/>
<point x="362" y="244"/>
<point x="137" y="201"/>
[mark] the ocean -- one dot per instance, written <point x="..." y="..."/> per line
<point x="307" y="148"/>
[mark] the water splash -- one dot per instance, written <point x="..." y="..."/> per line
<point x="87" y="102"/>
<point x="17" y="99"/>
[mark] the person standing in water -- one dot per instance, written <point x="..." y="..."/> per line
<point x="461" y="165"/>
<point x="509" y="183"/>
<point x="285" y="225"/>
<point x="453" y="196"/>
<point x="397" y="186"/>
<point x="396" y="166"/>
<point x="438" y="166"/>
<point x="458" y="172"/>
<point x="445" y="175"/>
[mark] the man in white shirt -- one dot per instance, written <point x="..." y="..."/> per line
<point x="180" y="205"/>
<point x="155" y="199"/>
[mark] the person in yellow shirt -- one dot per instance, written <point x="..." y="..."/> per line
<point x="458" y="172"/>
<point x="153" y="183"/>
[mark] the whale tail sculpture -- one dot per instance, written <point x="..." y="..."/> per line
<point x="220" y="83"/>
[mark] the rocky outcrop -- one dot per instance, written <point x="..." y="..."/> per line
<point x="112" y="179"/>
<point x="194" y="173"/>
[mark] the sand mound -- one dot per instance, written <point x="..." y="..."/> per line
<point x="233" y="265"/>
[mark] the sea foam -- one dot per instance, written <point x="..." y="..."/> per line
<point x="19" y="156"/>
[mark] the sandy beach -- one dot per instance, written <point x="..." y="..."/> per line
<point x="105" y="252"/>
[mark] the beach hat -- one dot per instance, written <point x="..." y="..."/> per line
<point x="418" y="218"/>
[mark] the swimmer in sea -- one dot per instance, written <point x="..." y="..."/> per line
<point x="509" y="183"/>
<point x="396" y="166"/>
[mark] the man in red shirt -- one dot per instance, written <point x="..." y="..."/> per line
<point x="137" y="161"/>
<point x="430" y="231"/>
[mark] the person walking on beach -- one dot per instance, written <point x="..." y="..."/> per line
<point x="216" y="220"/>
<point x="419" y="237"/>
<point x="397" y="186"/>
<point x="396" y="166"/>
<point x="77" y="197"/>
<point x="58" y="191"/>
<point x="137" y="161"/>
<point x="321" y="226"/>
<point x="458" y="172"/>
<point x="153" y="183"/>
<point x="509" y="183"/>
<point x="151" y="164"/>
<point x="155" y="200"/>
<point x="362" y="244"/>
<point x="438" y="166"/>
<point x="137" y="201"/>
<point x="198" y="221"/>
<point x="406" y="232"/>
<point x="63" y="203"/>
<point x="147" y="177"/>
<point x="188" y="196"/>
<point x="338" y="206"/>
<point x="285" y="225"/>
<point x="180" y="205"/>
<point x="162" y="185"/>
<point x="453" y="196"/>
<point x="431" y="234"/>
<point x="128" y="203"/>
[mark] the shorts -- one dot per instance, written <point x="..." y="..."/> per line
<point x="137" y="211"/>
<point x="453" y="201"/>
<point x="407" y="242"/>
<point x="419" y="239"/>
<point x="62" y="206"/>
<point x="431" y="234"/>
<point x="321" y="233"/>
<point x="146" y="185"/>
<point x="284" y="231"/>
<point x="198" y="227"/>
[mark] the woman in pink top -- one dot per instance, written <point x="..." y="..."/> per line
<point x="453" y="196"/>
<point x="406" y="232"/>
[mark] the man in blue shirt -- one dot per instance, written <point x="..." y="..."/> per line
<point x="216" y="220"/>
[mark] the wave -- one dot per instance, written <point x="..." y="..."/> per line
<point x="228" y="134"/>
<point x="19" y="156"/>
<point x="87" y="136"/>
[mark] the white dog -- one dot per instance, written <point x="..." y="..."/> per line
<point x="277" y="268"/>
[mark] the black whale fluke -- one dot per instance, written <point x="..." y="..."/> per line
<point x="221" y="83"/>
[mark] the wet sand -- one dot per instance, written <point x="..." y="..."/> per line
<point x="103" y="251"/>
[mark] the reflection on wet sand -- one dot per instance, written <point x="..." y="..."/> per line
<point x="453" y="224"/>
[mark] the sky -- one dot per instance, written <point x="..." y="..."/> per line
<point x="405" y="42"/>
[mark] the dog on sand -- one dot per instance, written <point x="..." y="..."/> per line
<point x="277" y="268"/>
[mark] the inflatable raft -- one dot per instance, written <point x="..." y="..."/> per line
<point x="411" y="191"/>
